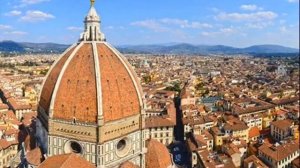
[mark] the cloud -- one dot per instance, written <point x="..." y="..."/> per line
<point x="250" y="7"/>
<point x="9" y="31"/>
<point x="13" y="13"/>
<point x="222" y="31"/>
<point x="248" y="17"/>
<point x="282" y="21"/>
<point x="5" y="27"/>
<point x="24" y="3"/>
<point x="185" y="23"/>
<point x="114" y="27"/>
<point x="73" y="28"/>
<point x="214" y="9"/>
<point x="259" y="25"/>
<point x="293" y="1"/>
<point x="30" y="2"/>
<point x="18" y="33"/>
<point x="283" y="29"/>
<point x="35" y="16"/>
<point x="150" y="24"/>
<point x="165" y="24"/>
<point x="287" y="35"/>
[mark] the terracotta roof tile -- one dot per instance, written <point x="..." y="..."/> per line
<point x="128" y="165"/>
<point x="158" y="121"/>
<point x="259" y="105"/>
<point x="285" y="100"/>
<point x="4" y="144"/>
<point x="235" y="126"/>
<point x="254" y="132"/>
<point x="50" y="82"/>
<point x="120" y="98"/>
<point x="253" y="160"/>
<point x="280" y="152"/>
<point x="66" y="161"/>
<point x="34" y="157"/>
<point x="76" y="96"/>
<point x="3" y="106"/>
<point x="158" y="155"/>
<point x="282" y="124"/>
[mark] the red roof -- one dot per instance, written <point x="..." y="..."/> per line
<point x="66" y="161"/>
<point x="34" y="157"/>
<point x="77" y="90"/>
<point x="158" y="155"/>
<point x="254" y="132"/>
<point x="128" y="164"/>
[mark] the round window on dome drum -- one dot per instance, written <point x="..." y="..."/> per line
<point x="76" y="147"/>
<point x="123" y="147"/>
<point x="121" y="144"/>
<point x="73" y="147"/>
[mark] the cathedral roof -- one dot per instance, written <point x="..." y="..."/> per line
<point x="66" y="161"/>
<point x="157" y="155"/>
<point x="91" y="80"/>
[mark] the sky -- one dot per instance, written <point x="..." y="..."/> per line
<point x="238" y="23"/>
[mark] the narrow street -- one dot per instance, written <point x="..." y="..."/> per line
<point x="178" y="148"/>
<point x="179" y="128"/>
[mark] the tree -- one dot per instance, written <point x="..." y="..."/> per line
<point x="147" y="79"/>
<point x="175" y="87"/>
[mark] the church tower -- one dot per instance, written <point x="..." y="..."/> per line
<point x="91" y="103"/>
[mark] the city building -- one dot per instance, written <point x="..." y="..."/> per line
<point x="254" y="134"/>
<point x="281" y="129"/>
<point x="237" y="150"/>
<point x="279" y="155"/>
<point x="213" y="160"/>
<point x="232" y="128"/>
<point x="253" y="162"/>
<point x="253" y="121"/>
<point x="8" y="150"/>
<point x="197" y="143"/>
<point x="281" y="71"/>
<point x="160" y="129"/>
<point x="197" y="124"/>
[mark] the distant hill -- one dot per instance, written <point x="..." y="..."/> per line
<point x="206" y="49"/>
<point x="44" y="47"/>
<point x="171" y="48"/>
<point x="270" y="49"/>
<point x="11" y="46"/>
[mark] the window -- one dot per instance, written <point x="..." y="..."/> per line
<point x="121" y="145"/>
<point x="76" y="147"/>
<point x="73" y="147"/>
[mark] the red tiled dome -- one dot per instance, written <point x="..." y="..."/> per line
<point x="90" y="79"/>
<point x="157" y="155"/>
